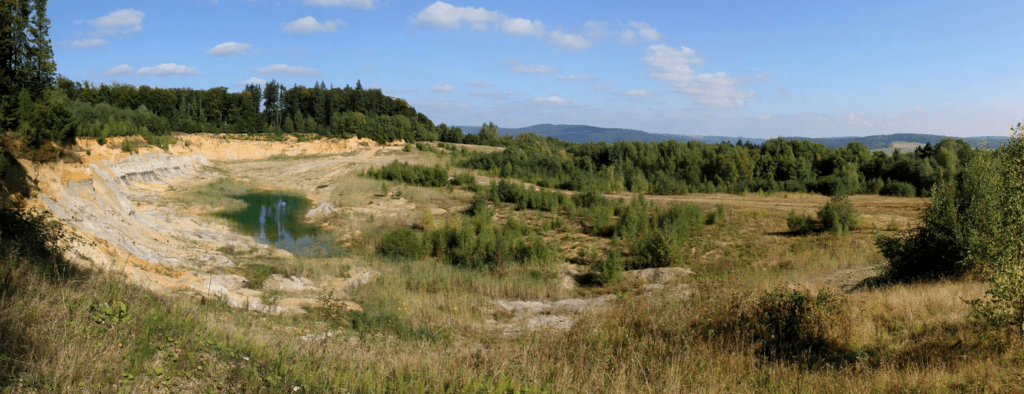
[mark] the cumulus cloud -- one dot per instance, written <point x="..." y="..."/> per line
<point x="284" y="69"/>
<point x="252" y="81"/>
<point x="637" y="93"/>
<point x="88" y="43"/>
<point x="583" y="77"/>
<point x="442" y="15"/>
<point x="119" y="22"/>
<point x="531" y="69"/>
<point x="603" y="87"/>
<point x="596" y="30"/>
<point x="674" y="65"/>
<point x="442" y="88"/>
<point x="639" y="31"/>
<point x="310" y="25"/>
<point x="569" y="41"/>
<point x="480" y="84"/>
<point x="166" y="69"/>
<point x="520" y="26"/>
<point x="553" y="100"/>
<point x="446" y="16"/>
<point x="364" y="4"/>
<point x="123" y="69"/>
<point x="229" y="48"/>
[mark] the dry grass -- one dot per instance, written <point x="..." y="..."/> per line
<point x="431" y="327"/>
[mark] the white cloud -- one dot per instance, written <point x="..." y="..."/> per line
<point x="480" y="84"/>
<point x="252" y="81"/>
<point x="364" y="4"/>
<point x="637" y="93"/>
<point x="583" y="77"/>
<point x="638" y="31"/>
<point x="228" y="49"/>
<point x="284" y="69"/>
<point x="119" y="22"/>
<point x="447" y="16"/>
<point x="166" y="69"/>
<point x="442" y="88"/>
<point x="674" y="66"/>
<point x="123" y="69"/>
<point x="310" y="25"/>
<point x="603" y="87"/>
<point x="444" y="105"/>
<point x="553" y="100"/>
<point x="88" y="43"/>
<point x="531" y="69"/>
<point x="569" y="41"/>
<point x="596" y="30"/>
<point x="520" y="26"/>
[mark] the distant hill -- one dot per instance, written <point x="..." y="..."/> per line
<point x="583" y="134"/>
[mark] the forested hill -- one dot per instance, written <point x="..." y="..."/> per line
<point x="584" y="134"/>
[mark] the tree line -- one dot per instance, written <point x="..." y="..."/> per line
<point x="672" y="167"/>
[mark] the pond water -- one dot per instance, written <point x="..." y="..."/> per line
<point x="276" y="219"/>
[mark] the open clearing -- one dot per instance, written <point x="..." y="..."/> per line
<point x="351" y="319"/>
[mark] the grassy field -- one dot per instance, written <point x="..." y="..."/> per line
<point x="741" y="323"/>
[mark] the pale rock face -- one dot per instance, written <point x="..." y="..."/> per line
<point x="118" y="206"/>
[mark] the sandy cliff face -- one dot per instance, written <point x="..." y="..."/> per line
<point x="113" y="204"/>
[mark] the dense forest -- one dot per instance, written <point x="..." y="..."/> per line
<point x="671" y="167"/>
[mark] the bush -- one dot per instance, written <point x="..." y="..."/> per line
<point x="800" y="223"/>
<point x="959" y="221"/>
<point x="786" y="325"/>
<point x="898" y="189"/>
<point x="838" y="215"/>
<point x="609" y="270"/>
<point x="655" y="249"/>
<point x="401" y="243"/>
<point x="463" y="179"/>
<point x="716" y="216"/>
<point x="413" y="174"/>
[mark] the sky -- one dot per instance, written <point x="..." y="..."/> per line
<point x="729" y="68"/>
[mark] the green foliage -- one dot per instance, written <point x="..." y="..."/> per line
<point x="800" y="223"/>
<point x="463" y="179"/>
<point x="401" y="243"/>
<point x="958" y="224"/>
<point x="717" y="216"/>
<point x="898" y="188"/>
<point x="838" y="215"/>
<point x="479" y="243"/>
<point x="655" y="249"/>
<point x="995" y="244"/>
<point x="609" y="269"/>
<point x="127" y="146"/>
<point x="671" y="167"/>
<point x="413" y="174"/>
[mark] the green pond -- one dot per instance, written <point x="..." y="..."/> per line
<point x="277" y="219"/>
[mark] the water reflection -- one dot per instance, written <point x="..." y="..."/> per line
<point x="276" y="220"/>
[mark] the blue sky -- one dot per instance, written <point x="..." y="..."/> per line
<point x="744" y="69"/>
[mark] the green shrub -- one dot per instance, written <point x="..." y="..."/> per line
<point x="800" y="223"/>
<point x="402" y="243"/>
<point x="655" y="249"/>
<point x="838" y="215"/>
<point x="463" y="179"/>
<point x="609" y="270"/>
<point x="716" y="216"/>
<point x="898" y="189"/>
<point x="413" y="174"/>
<point x="127" y="146"/>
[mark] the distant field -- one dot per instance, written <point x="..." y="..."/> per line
<point x="902" y="145"/>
